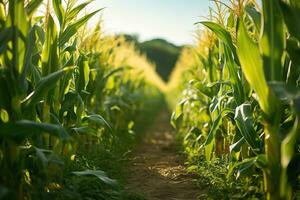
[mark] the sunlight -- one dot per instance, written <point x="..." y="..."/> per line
<point x="140" y="99"/>
<point x="168" y="19"/>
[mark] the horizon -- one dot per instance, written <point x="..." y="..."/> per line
<point x="156" y="19"/>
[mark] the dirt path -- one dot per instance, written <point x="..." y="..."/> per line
<point x="157" y="170"/>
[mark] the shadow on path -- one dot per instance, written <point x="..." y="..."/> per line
<point x="157" y="170"/>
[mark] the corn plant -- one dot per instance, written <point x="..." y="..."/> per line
<point x="58" y="94"/>
<point x="248" y="93"/>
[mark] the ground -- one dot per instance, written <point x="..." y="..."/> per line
<point x="157" y="170"/>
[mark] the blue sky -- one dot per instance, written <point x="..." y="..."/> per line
<point x="169" y="19"/>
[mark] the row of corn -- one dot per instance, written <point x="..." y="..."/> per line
<point x="62" y="85"/>
<point x="241" y="91"/>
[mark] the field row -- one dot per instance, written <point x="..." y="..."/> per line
<point x="68" y="94"/>
<point x="239" y="104"/>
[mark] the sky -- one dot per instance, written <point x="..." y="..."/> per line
<point x="172" y="20"/>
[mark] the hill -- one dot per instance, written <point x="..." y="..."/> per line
<point x="161" y="52"/>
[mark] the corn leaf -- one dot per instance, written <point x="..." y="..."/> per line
<point x="236" y="147"/>
<point x="244" y="121"/>
<point x="283" y="91"/>
<point x="251" y="63"/>
<point x="32" y="6"/>
<point x="177" y="115"/>
<point x="101" y="175"/>
<point x="73" y="28"/>
<point x="30" y="44"/>
<point x="291" y="14"/>
<point x="5" y="36"/>
<point x="84" y="72"/>
<point x="255" y="16"/>
<point x="222" y="34"/>
<point x="2" y="14"/>
<point x="288" y="144"/>
<point x="23" y="129"/>
<point x="99" y="120"/>
<point x="50" y="50"/>
<point x="243" y="166"/>
<point x="19" y="33"/>
<point x="59" y="11"/>
<point x="272" y="40"/>
<point x="215" y="126"/>
<point x="75" y="11"/>
<point x="288" y="147"/>
<point x="44" y="85"/>
<point x="235" y="77"/>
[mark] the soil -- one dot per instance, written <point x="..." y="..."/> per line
<point x="157" y="170"/>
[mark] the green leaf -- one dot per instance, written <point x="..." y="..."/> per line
<point x="209" y="150"/>
<point x="235" y="77"/>
<point x="17" y="19"/>
<point x="177" y="115"/>
<point x="236" y="147"/>
<point x="252" y="68"/>
<point x="49" y="55"/>
<point x="195" y="131"/>
<point x="59" y="11"/>
<point x="30" y="44"/>
<point x="85" y="130"/>
<point x="222" y="34"/>
<point x="244" y="121"/>
<point x="288" y="144"/>
<point x="44" y="85"/>
<point x="255" y="16"/>
<point x="283" y="91"/>
<point x="259" y="161"/>
<point x="272" y="41"/>
<point x="99" y="120"/>
<point x="73" y="28"/>
<point x="5" y="36"/>
<point x="84" y="72"/>
<point x="75" y="11"/>
<point x="215" y="126"/>
<point x="114" y="71"/>
<point x="100" y="175"/>
<point x="32" y="6"/>
<point x="4" y="116"/>
<point x="24" y="129"/>
<point x="291" y="14"/>
<point x="2" y="16"/>
<point x="41" y="155"/>
<point x="293" y="71"/>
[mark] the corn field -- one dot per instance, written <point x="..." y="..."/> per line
<point x="71" y="97"/>
<point x="241" y="95"/>
<point x="63" y="87"/>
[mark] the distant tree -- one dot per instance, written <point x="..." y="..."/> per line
<point x="131" y="38"/>
<point x="163" y="53"/>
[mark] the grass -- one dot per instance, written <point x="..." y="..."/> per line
<point x="213" y="178"/>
